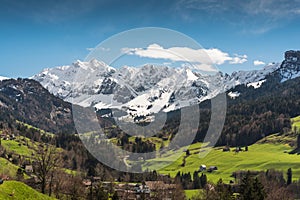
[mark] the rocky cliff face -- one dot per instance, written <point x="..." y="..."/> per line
<point x="290" y="67"/>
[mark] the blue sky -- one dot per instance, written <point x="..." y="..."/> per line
<point x="40" y="34"/>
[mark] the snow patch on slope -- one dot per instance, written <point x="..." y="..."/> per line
<point x="2" y="78"/>
<point x="234" y="95"/>
<point x="256" y="84"/>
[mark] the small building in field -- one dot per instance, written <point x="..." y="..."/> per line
<point x="202" y="167"/>
<point x="212" y="168"/>
<point x="226" y="149"/>
<point x="28" y="169"/>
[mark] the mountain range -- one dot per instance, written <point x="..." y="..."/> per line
<point x="150" y="89"/>
<point x="251" y="95"/>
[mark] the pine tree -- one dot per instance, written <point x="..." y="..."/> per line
<point x="203" y="180"/>
<point x="251" y="189"/>
<point x="258" y="189"/>
<point x="246" y="187"/>
<point x="289" y="176"/>
<point x="196" y="180"/>
<point x="223" y="191"/>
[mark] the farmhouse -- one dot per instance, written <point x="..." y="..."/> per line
<point x="202" y="167"/>
<point x="212" y="168"/>
<point x="28" y="169"/>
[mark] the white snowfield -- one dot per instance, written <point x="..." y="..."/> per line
<point x="145" y="90"/>
<point x="3" y="78"/>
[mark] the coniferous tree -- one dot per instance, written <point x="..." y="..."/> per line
<point x="203" y="180"/>
<point x="246" y="187"/>
<point x="196" y="180"/>
<point x="222" y="191"/>
<point x="251" y="189"/>
<point x="258" y="189"/>
<point x="289" y="176"/>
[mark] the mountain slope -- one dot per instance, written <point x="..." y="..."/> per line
<point x="27" y="101"/>
<point x="20" y="191"/>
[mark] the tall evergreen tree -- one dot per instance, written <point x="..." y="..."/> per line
<point x="222" y="191"/>
<point x="196" y="181"/>
<point x="251" y="189"/>
<point x="289" y="176"/>
<point x="258" y="189"/>
<point x="246" y="187"/>
<point x="203" y="180"/>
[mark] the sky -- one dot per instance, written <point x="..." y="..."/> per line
<point x="237" y="35"/>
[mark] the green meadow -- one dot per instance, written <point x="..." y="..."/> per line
<point x="270" y="153"/>
<point x="17" y="190"/>
<point x="17" y="147"/>
<point x="8" y="168"/>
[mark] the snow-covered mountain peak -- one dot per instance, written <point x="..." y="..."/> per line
<point x="94" y="65"/>
<point x="3" y="78"/>
<point x="147" y="89"/>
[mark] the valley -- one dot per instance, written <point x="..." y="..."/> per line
<point x="259" y="142"/>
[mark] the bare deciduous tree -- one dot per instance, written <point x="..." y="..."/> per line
<point x="47" y="160"/>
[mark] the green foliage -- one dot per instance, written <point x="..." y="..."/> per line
<point x="251" y="188"/>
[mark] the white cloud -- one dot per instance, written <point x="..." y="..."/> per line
<point x="239" y="59"/>
<point x="258" y="62"/>
<point x="203" y="59"/>
<point x="98" y="48"/>
<point x="90" y="49"/>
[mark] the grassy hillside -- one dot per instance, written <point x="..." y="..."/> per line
<point x="259" y="157"/>
<point x="296" y="122"/>
<point x="18" y="147"/>
<point x="34" y="128"/>
<point x="7" y="168"/>
<point x="19" y="191"/>
<point x="269" y="153"/>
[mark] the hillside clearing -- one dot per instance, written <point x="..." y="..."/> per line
<point x="259" y="157"/>
<point x="20" y="191"/>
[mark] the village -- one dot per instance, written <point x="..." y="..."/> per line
<point x="123" y="190"/>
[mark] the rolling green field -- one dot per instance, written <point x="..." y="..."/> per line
<point x="17" y="147"/>
<point x="17" y="190"/>
<point x="259" y="157"/>
<point x="269" y="153"/>
<point x="7" y="168"/>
